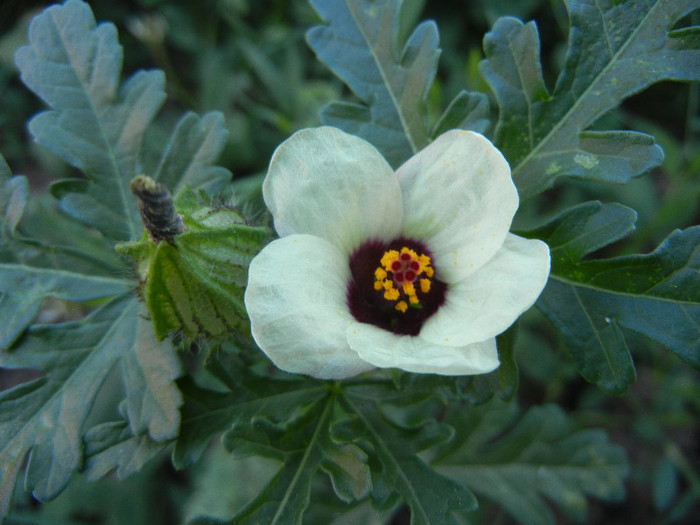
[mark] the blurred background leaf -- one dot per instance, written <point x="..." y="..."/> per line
<point x="514" y="461"/>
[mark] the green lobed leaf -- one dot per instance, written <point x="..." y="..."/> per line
<point x="188" y="158"/>
<point x="113" y="446"/>
<point x="359" y="43"/>
<point x="303" y="445"/>
<point x="222" y="484"/>
<point x="516" y="461"/>
<point x="74" y="66"/>
<point x="37" y="283"/>
<point x="585" y="228"/>
<point x="616" y="49"/>
<point x="594" y="302"/>
<point x="466" y="111"/>
<point x="45" y="418"/>
<point x="94" y="124"/>
<point x="40" y="270"/>
<point x="207" y="412"/>
<point x="431" y="497"/>
<point x="284" y="419"/>
<point x="98" y="126"/>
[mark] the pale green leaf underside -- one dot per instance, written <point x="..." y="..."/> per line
<point x="13" y="198"/>
<point x="74" y="66"/>
<point x="360" y="45"/>
<point x="189" y="157"/>
<point x="24" y="288"/>
<point x="31" y="271"/>
<point x="615" y="50"/>
<point x="45" y="418"/>
<point x="114" y="447"/>
<point x="98" y="126"/>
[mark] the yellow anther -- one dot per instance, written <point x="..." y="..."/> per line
<point x="388" y="258"/>
<point x="428" y="270"/>
<point x="409" y="289"/>
<point x="378" y="285"/>
<point x="425" y="285"/>
<point x="401" y="306"/>
<point x="391" y="294"/>
<point x="413" y="299"/>
<point x="424" y="260"/>
<point x="388" y="284"/>
<point x="380" y="274"/>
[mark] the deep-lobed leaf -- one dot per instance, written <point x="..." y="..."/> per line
<point x="190" y="155"/>
<point x="98" y="125"/>
<point x="94" y="123"/>
<point x="303" y="445"/>
<point x="585" y="228"/>
<point x="114" y="447"/>
<point x="13" y="199"/>
<point x="431" y="497"/>
<point x="206" y="412"/>
<point x="616" y="49"/>
<point x="31" y="271"/>
<point x="359" y="43"/>
<point x="466" y="111"/>
<point x="594" y="302"/>
<point x="286" y="420"/>
<point x="45" y="418"/>
<point x="517" y="461"/>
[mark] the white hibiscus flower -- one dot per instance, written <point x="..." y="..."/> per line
<point x="413" y="268"/>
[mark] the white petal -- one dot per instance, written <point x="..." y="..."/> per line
<point x="327" y="183"/>
<point x="296" y="300"/>
<point x="459" y="198"/>
<point x="415" y="354"/>
<point x="488" y="301"/>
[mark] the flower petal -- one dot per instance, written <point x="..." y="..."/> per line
<point x="415" y="354"/>
<point x="333" y="185"/>
<point x="296" y="300"/>
<point x="459" y="198"/>
<point x="488" y="301"/>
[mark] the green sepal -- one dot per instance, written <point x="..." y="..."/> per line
<point x="195" y="282"/>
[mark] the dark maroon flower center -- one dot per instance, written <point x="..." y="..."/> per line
<point x="394" y="285"/>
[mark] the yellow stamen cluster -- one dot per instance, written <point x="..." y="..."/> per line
<point x="397" y="274"/>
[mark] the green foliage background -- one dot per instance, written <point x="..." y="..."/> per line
<point x="593" y="414"/>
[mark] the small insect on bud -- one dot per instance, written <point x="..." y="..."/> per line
<point x="156" y="208"/>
